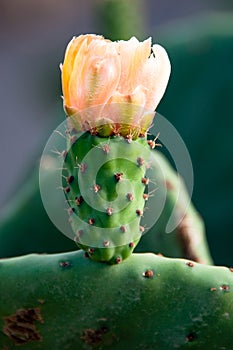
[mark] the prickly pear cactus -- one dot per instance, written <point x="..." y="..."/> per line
<point x="104" y="182"/>
<point x="104" y="170"/>
<point x="147" y="302"/>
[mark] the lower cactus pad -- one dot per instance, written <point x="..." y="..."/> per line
<point x="147" y="302"/>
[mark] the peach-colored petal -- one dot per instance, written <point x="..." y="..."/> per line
<point x="78" y="63"/>
<point x="137" y="97"/>
<point x="133" y="55"/>
<point x="126" y="108"/>
<point x="156" y="72"/>
<point x="70" y="55"/>
<point x="67" y="66"/>
<point x="94" y="77"/>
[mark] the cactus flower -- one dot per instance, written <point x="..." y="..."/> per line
<point x="124" y="81"/>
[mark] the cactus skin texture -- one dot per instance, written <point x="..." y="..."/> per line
<point x="147" y="302"/>
<point x="107" y="224"/>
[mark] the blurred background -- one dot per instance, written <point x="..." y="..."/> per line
<point x="198" y="36"/>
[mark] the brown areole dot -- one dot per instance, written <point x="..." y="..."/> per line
<point x="151" y="143"/>
<point x="141" y="228"/>
<point x="118" y="176"/>
<point x="130" y="197"/>
<point x="145" y="180"/>
<point x="79" y="200"/>
<point x="106" y="149"/>
<point x="118" y="260"/>
<point x="96" y="188"/>
<point x="140" y="161"/>
<point x="109" y="211"/>
<point x="64" y="263"/>
<point x="91" y="250"/>
<point x="145" y="196"/>
<point x="129" y="138"/>
<point x="91" y="221"/>
<point x="67" y="189"/>
<point x="106" y="244"/>
<point x="123" y="228"/>
<point x="225" y="288"/>
<point x="148" y="274"/>
<point x="83" y="167"/>
<point x="70" y="179"/>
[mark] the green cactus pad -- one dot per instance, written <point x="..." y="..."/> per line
<point x="104" y="183"/>
<point x="69" y="302"/>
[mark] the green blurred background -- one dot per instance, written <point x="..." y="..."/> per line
<point x="199" y="39"/>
